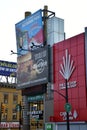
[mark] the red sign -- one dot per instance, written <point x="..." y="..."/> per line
<point x="69" y="63"/>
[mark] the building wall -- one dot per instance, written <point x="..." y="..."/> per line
<point x="48" y="109"/>
<point x="55" y="30"/>
<point x="9" y="106"/>
<point x="72" y="49"/>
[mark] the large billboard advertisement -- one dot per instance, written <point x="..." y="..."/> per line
<point x="33" y="68"/>
<point x="8" y="68"/>
<point x="32" y="58"/>
<point x="29" y="33"/>
<point x="69" y="63"/>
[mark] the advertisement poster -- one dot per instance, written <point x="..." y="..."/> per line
<point x="33" y="68"/>
<point x="29" y="33"/>
<point x="8" y="68"/>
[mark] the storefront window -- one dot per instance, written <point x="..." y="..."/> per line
<point x="36" y="115"/>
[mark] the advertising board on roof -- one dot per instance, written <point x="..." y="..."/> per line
<point x="8" y="68"/>
<point x="32" y="58"/>
<point x="29" y="33"/>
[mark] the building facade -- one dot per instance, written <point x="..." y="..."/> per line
<point x="61" y="65"/>
<point x="35" y="34"/>
<point x="70" y="62"/>
<point x="9" y="98"/>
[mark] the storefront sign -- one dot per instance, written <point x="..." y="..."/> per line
<point x="70" y="84"/>
<point x="49" y="126"/>
<point x="9" y="124"/>
<point x="36" y="114"/>
<point x="35" y="98"/>
<point x="72" y="115"/>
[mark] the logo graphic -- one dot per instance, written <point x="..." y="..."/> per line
<point x="72" y="115"/>
<point x="67" y="67"/>
<point x="40" y="66"/>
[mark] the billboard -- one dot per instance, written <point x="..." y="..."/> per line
<point x="33" y="68"/>
<point x="8" y="68"/>
<point x="29" y="33"/>
<point x="69" y="59"/>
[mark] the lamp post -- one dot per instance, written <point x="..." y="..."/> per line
<point x="66" y="99"/>
<point x="68" y="126"/>
<point x="66" y="71"/>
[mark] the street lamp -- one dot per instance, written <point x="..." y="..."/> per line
<point x="53" y="90"/>
<point x="66" y="71"/>
<point x="66" y="99"/>
<point x="68" y="126"/>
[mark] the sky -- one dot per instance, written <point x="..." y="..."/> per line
<point x="12" y="11"/>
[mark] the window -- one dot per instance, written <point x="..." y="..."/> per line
<point x="6" y="98"/>
<point x="15" y="99"/>
<point x="14" y="114"/>
<point x="4" y="115"/>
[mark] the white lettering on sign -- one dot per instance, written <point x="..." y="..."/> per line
<point x="72" y="115"/>
<point x="71" y="84"/>
<point x="9" y="124"/>
<point x="35" y="112"/>
<point x="35" y="116"/>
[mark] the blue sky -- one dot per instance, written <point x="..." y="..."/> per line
<point x="12" y="11"/>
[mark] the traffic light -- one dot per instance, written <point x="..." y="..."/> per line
<point x="18" y="107"/>
<point x="2" y="108"/>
